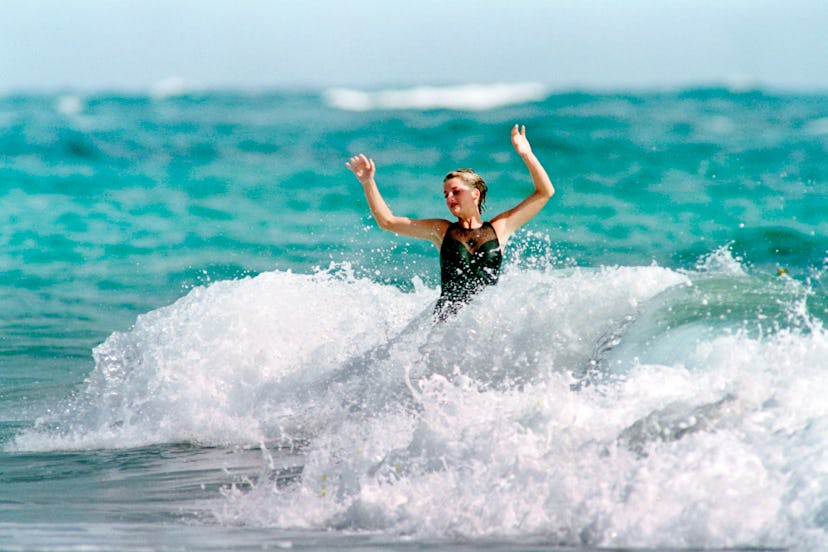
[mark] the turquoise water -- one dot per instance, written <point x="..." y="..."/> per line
<point x="206" y="342"/>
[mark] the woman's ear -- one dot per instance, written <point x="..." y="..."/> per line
<point x="476" y="196"/>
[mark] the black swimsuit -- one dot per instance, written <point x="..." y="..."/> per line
<point x="470" y="259"/>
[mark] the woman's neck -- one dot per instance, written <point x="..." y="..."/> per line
<point x="473" y="221"/>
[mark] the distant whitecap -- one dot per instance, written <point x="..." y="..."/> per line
<point x="69" y="105"/>
<point x="172" y="87"/>
<point x="468" y="97"/>
<point x="817" y="127"/>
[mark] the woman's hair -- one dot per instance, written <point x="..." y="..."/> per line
<point x="471" y="179"/>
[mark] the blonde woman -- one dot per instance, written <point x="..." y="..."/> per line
<point x="470" y="248"/>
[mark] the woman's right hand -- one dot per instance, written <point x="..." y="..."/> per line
<point x="362" y="167"/>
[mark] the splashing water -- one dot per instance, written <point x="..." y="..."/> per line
<point x="611" y="407"/>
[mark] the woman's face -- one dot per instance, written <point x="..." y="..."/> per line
<point x="461" y="199"/>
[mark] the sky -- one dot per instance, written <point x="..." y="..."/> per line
<point x="367" y="44"/>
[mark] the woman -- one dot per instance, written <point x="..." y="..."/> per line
<point x="470" y="249"/>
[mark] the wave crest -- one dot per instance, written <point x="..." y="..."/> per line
<point x="468" y="97"/>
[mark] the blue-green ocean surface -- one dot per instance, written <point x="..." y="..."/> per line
<point x="207" y="343"/>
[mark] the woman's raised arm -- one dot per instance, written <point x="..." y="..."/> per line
<point x="426" y="229"/>
<point x="507" y="222"/>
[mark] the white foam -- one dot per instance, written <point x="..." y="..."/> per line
<point x="469" y="97"/>
<point x="543" y="461"/>
<point x="472" y="428"/>
<point x="70" y="105"/>
<point x="172" y="87"/>
<point x="495" y="460"/>
<point x="722" y="261"/>
<point x="220" y="365"/>
<point x="817" y="127"/>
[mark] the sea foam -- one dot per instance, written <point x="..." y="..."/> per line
<point x="622" y="406"/>
<point x="469" y="97"/>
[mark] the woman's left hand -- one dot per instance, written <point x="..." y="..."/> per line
<point x="519" y="140"/>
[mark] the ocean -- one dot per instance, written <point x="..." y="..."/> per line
<point x="207" y="344"/>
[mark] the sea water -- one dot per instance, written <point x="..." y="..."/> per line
<point x="208" y="344"/>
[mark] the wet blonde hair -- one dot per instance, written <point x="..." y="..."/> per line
<point x="472" y="180"/>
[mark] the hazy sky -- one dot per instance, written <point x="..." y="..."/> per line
<point x="91" y="44"/>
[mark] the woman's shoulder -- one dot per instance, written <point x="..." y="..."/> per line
<point x="439" y="224"/>
<point x="500" y="228"/>
<point x="434" y="229"/>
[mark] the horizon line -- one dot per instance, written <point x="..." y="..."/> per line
<point x="175" y="87"/>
